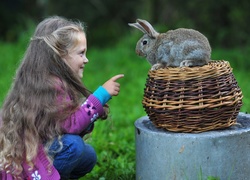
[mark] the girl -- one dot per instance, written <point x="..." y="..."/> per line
<point x="48" y="110"/>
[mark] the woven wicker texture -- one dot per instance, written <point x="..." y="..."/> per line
<point x="193" y="99"/>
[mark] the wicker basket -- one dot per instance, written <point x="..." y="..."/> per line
<point x="193" y="99"/>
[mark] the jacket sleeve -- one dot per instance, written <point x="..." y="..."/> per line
<point x="87" y="113"/>
<point x="5" y="176"/>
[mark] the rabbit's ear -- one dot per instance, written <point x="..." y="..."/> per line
<point x="138" y="26"/>
<point x="145" y="27"/>
<point x="148" y="28"/>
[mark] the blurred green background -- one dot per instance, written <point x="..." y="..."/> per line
<point x="111" y="44"/>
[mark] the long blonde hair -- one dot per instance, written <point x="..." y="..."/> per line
<point x="30" y="111"/>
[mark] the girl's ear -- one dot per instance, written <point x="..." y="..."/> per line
<point x="64" y="59"/>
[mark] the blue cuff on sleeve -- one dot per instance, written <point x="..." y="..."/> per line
<point x="102" y="95"/>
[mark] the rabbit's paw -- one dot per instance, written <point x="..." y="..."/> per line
<point x="156" y="66"/>
<point x="186" y="63"/>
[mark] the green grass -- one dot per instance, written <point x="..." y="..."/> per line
<point x="113" y="139"/>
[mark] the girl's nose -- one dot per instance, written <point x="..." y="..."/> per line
<point x="85" y="60"/>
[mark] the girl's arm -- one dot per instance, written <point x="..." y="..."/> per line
<point x="87" y="113"/>
<point x="92" y="108"/>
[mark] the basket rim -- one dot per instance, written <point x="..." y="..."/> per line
<point x="212" y="69"/>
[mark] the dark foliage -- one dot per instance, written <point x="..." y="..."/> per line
<point x="225" y="23"/>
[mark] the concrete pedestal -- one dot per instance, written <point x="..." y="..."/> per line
<point x="164" y="155"/>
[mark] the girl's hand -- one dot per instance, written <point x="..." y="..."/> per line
<point x="112" y="86"/>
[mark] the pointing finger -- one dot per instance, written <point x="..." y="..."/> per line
<point x="115" y="78"/>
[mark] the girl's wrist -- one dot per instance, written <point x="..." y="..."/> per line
<point x="102" y="95"/>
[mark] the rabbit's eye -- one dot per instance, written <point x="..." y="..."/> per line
<point x="144" y="42"/>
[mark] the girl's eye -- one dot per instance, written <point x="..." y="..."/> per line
<point x="82" y="53"/>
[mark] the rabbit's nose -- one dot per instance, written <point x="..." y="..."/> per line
<point x="138" y="52"/>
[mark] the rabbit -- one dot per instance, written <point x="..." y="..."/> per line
<point x="175" y="48"/>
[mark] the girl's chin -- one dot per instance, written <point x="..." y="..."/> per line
<point x="80" y="73"/>
<point x="80" y="76"/>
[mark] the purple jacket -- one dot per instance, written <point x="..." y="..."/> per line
<point x="74" y="124"/>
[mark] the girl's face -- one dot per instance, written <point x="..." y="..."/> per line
<point x="76" y="58"/>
